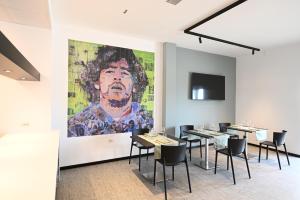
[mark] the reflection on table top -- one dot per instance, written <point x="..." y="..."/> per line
<point x="245" y="128"/>
<point x="205" y="133"/>
<point x="149" y="140"/>
<point x="159" y="139"/>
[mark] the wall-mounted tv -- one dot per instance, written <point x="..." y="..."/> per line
<point x="207" y="87"/>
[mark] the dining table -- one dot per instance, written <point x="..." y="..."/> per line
<point x="156" y="140"/>
<point x="246" y="130"/>
<point x="207" y="135"/>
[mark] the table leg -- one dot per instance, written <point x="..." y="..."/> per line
<point x="206" y="153"/>
<point x="249" y="156"/>
<point x="246" y="146"/>
<point x="204" y="164"/>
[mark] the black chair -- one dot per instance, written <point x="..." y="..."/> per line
<point x="278" y="140"/>
<point x="184" y="136"/>
<point x="235" y="148"/>
<point x="138" y="145"/>
<point x="171" y="156"/>
<point x="223" y="129"/>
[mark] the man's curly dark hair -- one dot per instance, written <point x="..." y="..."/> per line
<point x="105" y="56"/>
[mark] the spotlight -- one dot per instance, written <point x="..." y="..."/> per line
<point x="200" y="40"/>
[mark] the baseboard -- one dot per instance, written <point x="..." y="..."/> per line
<point x="272" y="149"/>
<point x="102" y="161"/>
<point x="143" y="155"/>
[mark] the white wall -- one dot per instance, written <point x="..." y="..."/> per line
<point x="268" y="92"/>
<point x="86" y="149"/>
<point x="24" y="105"/>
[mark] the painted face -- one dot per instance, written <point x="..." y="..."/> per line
<point x="116" y="83"/>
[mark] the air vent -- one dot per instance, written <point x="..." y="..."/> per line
<point x="174" y="2"/>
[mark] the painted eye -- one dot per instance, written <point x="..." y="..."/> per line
<point x="109" y="72"/>
<point x="124" y="73"/>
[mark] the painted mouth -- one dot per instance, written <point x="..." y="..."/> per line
<point x="117" y="86"/>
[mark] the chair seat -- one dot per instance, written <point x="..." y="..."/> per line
<point x="167" y="164"/>
<point x="190" y="139"/>
<point x="193" y="140"/>
<point x="268" y="143"/>
<point x="140" y="146"/>
<point x="224" y="151"/>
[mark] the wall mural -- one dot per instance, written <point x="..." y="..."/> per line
<point x="110" y="89"/>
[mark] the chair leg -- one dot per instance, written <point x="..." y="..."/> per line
<point x="139" y="159"/>
<point x="188" y="175"/>
<point x="165" y="186"/>
<point x="200" y="148"/>
<point x="147" y="153"/>
<point x="267" y="153"/>
<point x="190" y="151"/>
<point x="227" y="162"/>
<point x="233" y="175"/>
<point x="286" y="153"/>
<point x="173" y="173"/>
<point x="259" y="152"/>
<point x="278" y="157"/>
<point x="130" y="153"/>
<point x="216" y="162"/>
<point x="154" y="174"/>
<point x="246" y="159"/>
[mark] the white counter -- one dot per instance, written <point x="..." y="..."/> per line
<point x="28" y="166"/>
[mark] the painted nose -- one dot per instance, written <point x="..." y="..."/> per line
<point x="117" y="75"/>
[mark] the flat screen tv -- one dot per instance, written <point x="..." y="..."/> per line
<point x="207" y="87"/>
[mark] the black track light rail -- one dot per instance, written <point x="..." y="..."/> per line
<point x="227" y="8"/>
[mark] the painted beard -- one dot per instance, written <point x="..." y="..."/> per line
<point x="118" y="103"/>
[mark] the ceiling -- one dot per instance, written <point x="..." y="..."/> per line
<point x="25" y="12"/>
<point x="259" y="23"/>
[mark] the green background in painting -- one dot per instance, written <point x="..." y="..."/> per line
<point x="85" y="52"/>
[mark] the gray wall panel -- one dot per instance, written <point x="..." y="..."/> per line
<point x="192" y="111"/>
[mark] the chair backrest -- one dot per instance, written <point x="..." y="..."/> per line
<point x="141" y="131"/>
<point x="236" y="146"/>
<point x="185" y="128"/>
<point x="173" y="155"/>
<point x="173" y="137"/>
<point x="279" y="137"/>
<point x="223" y="127"/>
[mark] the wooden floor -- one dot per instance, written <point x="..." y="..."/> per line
<point x="121" y="181"/>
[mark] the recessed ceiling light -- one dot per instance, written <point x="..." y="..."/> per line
<point x="7" y="71"/>
<point x="23" y="78"/>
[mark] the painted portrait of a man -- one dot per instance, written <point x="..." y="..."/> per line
<point x="114" y="83"/>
